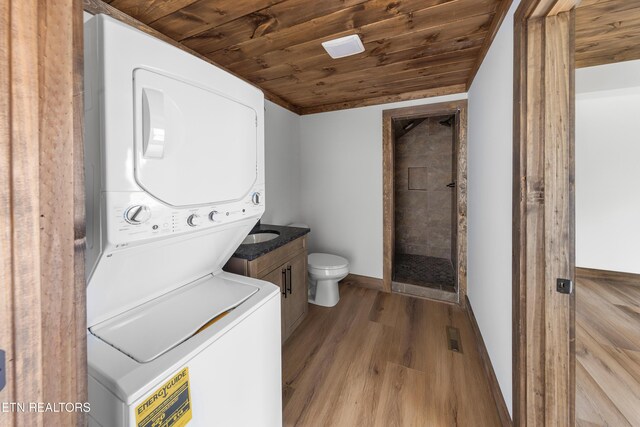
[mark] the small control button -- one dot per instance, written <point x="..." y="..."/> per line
<point x="155" y="227"/>
<point x="214" y="215"/>
<point x="137" y="214"/>
<point x="194" y="220"/>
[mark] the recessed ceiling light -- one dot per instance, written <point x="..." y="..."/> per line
<point x="344" y="46"/>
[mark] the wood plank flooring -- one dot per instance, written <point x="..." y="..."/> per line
<point x="379" y="359"/>
<point x="607" y="353"/>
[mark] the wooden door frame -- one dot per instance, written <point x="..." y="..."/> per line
<point x="543" y="213"/>
<point x="42" y="286"/>
<point x="459" y="109"/>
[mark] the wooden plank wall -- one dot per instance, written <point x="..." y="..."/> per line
<point x="42" y="222"/>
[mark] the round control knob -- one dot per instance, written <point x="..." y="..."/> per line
<point x="213" y="215"/>
<point x="137" y="214"/>
<point x="194" y="220"/>
<point x="255" y="198"/>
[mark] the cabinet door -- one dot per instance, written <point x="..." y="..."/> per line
<point x="277" y="277"/>
<point x="297" y="292"/>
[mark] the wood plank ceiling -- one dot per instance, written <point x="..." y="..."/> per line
<point x="607" y="31"/>
<point x="414" y="48"/>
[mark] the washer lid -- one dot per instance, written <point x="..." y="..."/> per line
<point x="326" y="261"/>
<point x="152" y="329"/>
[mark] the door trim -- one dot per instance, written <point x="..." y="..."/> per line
<point x="459" y="109"/>
<point x="543" y="213"/>
<point x="42" y="220"/>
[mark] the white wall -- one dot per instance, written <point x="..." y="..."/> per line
<point x="490" y="201"/>
<point x="342" y="182"/>
<point x="607" y="170"/>
<point x="282" y="166"/>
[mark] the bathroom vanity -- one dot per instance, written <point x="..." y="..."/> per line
<point x="281" y="260"/>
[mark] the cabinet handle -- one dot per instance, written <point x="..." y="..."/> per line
<point x="284" y="282"/>
<point x="289" y="281"/>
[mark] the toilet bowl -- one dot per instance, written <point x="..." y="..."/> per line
<point x="324" y="271"/>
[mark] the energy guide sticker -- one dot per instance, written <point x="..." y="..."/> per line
<point x="169" y="405"/>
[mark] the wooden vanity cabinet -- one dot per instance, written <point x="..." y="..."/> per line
<point x="285" y="267"/>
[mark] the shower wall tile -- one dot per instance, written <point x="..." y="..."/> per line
<point x="439" y="207"/>
<point x="418" y="178"/>
<point x="440" y="173"/>
<point x="440" y="252"/>
<point x="423" y="203"/>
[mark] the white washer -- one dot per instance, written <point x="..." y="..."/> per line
<point x="174" y="163"/>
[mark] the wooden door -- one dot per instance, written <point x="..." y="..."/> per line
<point x="297" y="288"/>
<point x="277" y="277"/>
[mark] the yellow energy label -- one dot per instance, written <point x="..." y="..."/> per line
<point x="169" y="405"/>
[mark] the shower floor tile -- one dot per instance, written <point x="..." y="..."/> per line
<point x="419" y="270"/>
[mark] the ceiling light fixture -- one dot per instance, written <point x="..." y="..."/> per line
<point x="344" y="46"/>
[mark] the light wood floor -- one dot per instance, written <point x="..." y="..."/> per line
<point x="381" y="359"/>
<point x="607" y="353"/>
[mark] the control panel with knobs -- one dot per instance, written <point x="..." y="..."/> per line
<point x="255" y="198"/>
<point x="136" y="217"/>
<point x="137" y="214"/>
<point x="194" y="220"/>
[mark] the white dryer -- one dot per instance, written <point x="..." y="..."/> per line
<point x="174" y="151"/>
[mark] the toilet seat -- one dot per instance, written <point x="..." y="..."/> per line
<point x="320" y="261"/>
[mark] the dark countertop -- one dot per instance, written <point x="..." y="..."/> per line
<point x="253" y="251"/>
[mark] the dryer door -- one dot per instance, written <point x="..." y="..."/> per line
<point x="193" y="146"/>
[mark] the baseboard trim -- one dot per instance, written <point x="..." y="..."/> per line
<point x="498" y="398"/>
<point x="363" y="282"/>
<point x="612" y="276"/>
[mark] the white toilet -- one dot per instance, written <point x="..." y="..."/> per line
<point x="324" y="273"/>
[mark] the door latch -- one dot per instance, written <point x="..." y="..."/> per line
<point x="564" y="286"/>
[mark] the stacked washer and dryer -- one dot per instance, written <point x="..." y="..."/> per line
<point x="174" y="181"/>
